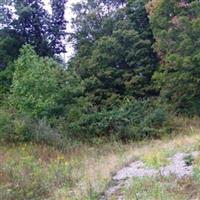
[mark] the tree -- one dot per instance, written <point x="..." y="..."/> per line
<point x="177" y="42"/>
<point x="93" y="19"/>
<point x="10" y="44"/>
<point x="57" y="26"/>
<point x="36" y="26"/>
<point x="9" y="47"/>
<point x="36" y="84"/>
<point x="5" y="13"/>
<point x="28" y="23"/>
<point x="117" y="61"/>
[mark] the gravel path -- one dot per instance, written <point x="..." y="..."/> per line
<point x="177" y="167"/>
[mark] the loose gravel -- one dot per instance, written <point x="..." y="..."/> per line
<point x="177" y="167"/>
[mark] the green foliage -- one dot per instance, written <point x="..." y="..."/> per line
<point x="6" y="76"/>
<point x="36" y="84"/>
<point x="93" y="19"/>
<point x="9" y="47"/>
<point x="16" y="128"/>
<point x="176" y="29"/>
<point x="132" y="120"/>
<point x="110" y="85"/>
<point x="41" y="132"/>
<point x="9" y="50"/>
<point x="34" y="25"/>
<point x="6" y="126"/>
<point x="189" y="159"/>
<point x="28" y="22"/>
<point x="115" y="61"/>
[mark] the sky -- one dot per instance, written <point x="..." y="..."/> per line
<point x="68" y="15"/>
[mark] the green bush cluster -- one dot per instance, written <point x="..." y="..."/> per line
<point x="131" y="120"/>
<point x="134" y="120"/>
<point x="17" y="128"/>
<point x="7" y="127"/>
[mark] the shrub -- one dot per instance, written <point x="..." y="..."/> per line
<point x="22" y="128"/>
<point x="6" y="127"/>
<point x="41" y="132"/>
<point x="13" y="127"/>
<point x="132" y="120"/>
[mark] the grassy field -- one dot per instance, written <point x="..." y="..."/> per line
<point x="29" y="171"/>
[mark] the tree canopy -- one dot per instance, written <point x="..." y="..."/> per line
<point x="177" y="42"/>
<point x="34" y="25"/>
<point x="116" y="59"/>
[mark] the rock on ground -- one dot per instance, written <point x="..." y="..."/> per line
<point x="177" y="167"/>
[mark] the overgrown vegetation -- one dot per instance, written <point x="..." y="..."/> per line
<point x="121" y="83"/>
<point x="106" y="89"/>
<point x="135" y="67"/>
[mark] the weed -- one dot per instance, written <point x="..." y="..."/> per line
<point x="188" y="160"/>
<point x="155" y="159"/>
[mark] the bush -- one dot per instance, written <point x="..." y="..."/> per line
<point x="6" y="127"/>
<point x="41" y="132"/>
<point x="13" y="127"/>
<point x="21" y="128"/>
<point x="132" y="120"/>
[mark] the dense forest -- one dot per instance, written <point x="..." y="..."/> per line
<point x="136" y="64"/>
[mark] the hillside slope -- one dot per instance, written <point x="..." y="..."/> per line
<point x="40" y="172"/>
